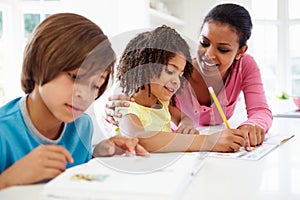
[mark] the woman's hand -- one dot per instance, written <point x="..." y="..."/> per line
<point x="120" y="100"/>
<point x="186" y="124"/>
<point x="255" y="133"/>
<point x="44" y="162"/>
<point x="119" y="145"/>
<point x="187" y="128"/>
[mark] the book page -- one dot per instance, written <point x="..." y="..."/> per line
<point x="121" y="177"/>
<point x="271" y="142"/>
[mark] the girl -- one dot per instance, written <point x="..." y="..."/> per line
<point x="152" y="69"/>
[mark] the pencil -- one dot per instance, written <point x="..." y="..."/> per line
<point x="213" y="95"/>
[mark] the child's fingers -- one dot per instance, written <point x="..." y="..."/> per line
<point x="55" y="164"/>
<point x="104" y="148"/>
<point x="116" y="103"/>
<point x="110" y="112"/>
<point x="130" y="145"/>
<point x="125" y="143"/>
<point x="235" y="147"/>
<point x="111" y="120"/>
<point x="141" y="151"/>
<point x="51" y="173"/>
<point x="61" y="150"/>
<point x="239" y="140"/>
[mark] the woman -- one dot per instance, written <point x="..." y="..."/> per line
<point x="222" y="63"/>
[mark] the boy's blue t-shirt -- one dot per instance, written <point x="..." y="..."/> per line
<point x="18" y="136"/>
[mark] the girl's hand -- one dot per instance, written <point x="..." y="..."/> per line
<point x="255" y="134"/>
<point x="119" y="145"/>
<point x="113" y="102"/>
<point x="44" y="162"/>
<point x="228" y="140"/>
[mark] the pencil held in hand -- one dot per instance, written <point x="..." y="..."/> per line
<point x="215" y="99"/>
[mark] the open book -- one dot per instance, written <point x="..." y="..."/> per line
<point x="159" y="176"/>
<point x="271" y="142"/>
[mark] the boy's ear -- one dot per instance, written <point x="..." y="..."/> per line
<point x="241" y="52"/>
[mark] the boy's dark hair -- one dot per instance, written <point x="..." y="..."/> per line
<point x="65" y="42"/>
<point x="234" y="15"/>
<point x="146" y="54"/>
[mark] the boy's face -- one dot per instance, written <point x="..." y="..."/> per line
<point x="168" y="83"/>
<point x="70" y="93"/>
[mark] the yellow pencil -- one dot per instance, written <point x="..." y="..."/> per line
<point x="213" y="95"/>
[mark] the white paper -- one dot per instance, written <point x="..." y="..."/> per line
<point x="159" y="176"/>
<point x="271" y="142"/>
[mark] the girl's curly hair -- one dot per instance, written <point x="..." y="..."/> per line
<point x="146" y="54"/>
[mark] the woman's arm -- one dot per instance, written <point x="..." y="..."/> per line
<point x="258" y="111"/>
<point x="259" y="116"/>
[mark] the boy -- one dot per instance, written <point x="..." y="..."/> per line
<point x="67" y="65"/>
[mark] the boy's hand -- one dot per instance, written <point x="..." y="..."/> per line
<point x="44" y="162"/>
<point x="118" y="145"/>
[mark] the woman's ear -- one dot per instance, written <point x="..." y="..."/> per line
<point x="241" y="52"/>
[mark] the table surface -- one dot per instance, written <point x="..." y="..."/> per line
<point x="275" y="176"/>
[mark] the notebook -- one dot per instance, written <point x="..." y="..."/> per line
<point x="159" y="176"/>
<point x="271" y="142"/>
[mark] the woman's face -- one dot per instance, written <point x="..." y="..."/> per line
<point x="218" y="47"/>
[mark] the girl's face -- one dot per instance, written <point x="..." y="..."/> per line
<point x="69" y="94"/>
<point x="218" y="47"/>
<point x="168" y="83"/>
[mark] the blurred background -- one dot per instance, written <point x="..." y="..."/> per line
<point x="275" y="42"/>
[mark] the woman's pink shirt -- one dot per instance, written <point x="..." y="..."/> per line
<point x="244" y="77"/>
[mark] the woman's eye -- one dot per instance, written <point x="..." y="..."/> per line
<point x="224" y="50"/>
<point x="204" y="44"/>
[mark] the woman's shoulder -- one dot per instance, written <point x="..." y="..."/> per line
<point x="247" y="59"/>
<point x="246" y="62"/>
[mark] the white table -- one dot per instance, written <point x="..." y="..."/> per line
<point x="274" y="177"/>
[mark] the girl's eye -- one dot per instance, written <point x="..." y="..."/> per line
<point x="170" y="72"/>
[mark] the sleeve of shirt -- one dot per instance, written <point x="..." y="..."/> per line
<point x="132" y="109"/>
<point x="258" y="111"/>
